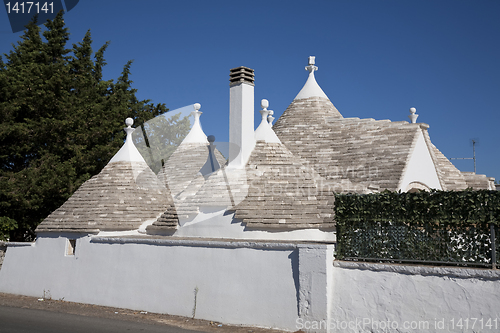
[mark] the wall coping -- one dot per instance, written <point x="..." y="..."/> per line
<point x="456" y="272"/>
<point x="7" y="244"/>
<point x="210" y="242"/>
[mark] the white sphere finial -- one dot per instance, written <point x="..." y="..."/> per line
<point x="197" y="106"/>
<point x="129" y="122"/>
<point x="264" y="104"/>
<point x="413" y="117"/>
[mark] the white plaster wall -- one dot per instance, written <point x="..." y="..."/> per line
<point x="316" y="287"/>
<point x="414" y="298"/>
<point x="237" y="282"/>
<point x="220" y="224"/>
<point x="420" y="167"/>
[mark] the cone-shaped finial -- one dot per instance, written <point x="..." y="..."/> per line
<point x="311" y="88"/>
<point x="128" y="152"/>
<point x="196" y="135"/>
<point x="264" y="132"/>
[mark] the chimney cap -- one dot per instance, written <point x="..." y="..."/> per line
<point x="241" y="74"/>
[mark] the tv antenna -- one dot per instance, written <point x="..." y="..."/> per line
<point x="474" y="141"/>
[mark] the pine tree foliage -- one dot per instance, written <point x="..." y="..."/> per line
<point x="60" y="123"/>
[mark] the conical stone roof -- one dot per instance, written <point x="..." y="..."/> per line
<point x="283" y="193"/>
<point x="123" y="196"/>
<point x="306" y="113"/>
<point x="353" y="155"/>
<point x="182" y="175"/>
<point x="184" y="164"/>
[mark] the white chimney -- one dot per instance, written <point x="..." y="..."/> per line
<point x="241" y="109"/>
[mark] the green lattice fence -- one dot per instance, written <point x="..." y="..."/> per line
<point x="427" y="227"/>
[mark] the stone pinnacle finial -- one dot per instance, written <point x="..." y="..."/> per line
<point x="270" y="118"/>
<point x="128" y="152"/>
<point x="265" y="131"/>
<point x="196" y="114"/>
<point x="129" y="122"/>
<point x="311" y="68"/>
<point x="264" y="104"/>
<point x="413" y="116"/>
<point x="196" y="134"/>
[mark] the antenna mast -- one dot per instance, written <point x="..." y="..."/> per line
<point x="469" y="158"/>
<point x="474" y="153"/>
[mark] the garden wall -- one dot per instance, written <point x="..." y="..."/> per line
<point x="370" y="297"/>
<point x="257" y="283"/>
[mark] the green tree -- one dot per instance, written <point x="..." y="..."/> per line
<point x="60" y="123"/>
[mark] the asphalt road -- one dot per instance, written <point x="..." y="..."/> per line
<point x="31" y="314"/>
<point x="19" y="320"/>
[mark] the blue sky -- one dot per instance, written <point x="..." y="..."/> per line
<point x="376" y="59"/>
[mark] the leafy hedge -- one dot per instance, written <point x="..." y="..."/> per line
<point x="437" y="226"/>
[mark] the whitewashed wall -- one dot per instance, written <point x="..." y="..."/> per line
<point x="286" y="285"/>
<point x="420" y="167"/>
<point x="234" y="282"/>
<point x="398" y="298"/>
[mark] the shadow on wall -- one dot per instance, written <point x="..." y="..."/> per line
<point x="294" y="259"/>
<point x="3" y="248"/>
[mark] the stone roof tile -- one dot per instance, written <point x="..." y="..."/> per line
<point x="122" y="196"/>
<point x="283" y="193"/>
<point x="181" y="174"/>
<point x="352" y="154"/>
<point x="478" y="182"/>
<point x="450" y="177"/>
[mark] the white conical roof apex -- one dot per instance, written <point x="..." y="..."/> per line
<point x="311" y="88"/>
<point x="265" y="132"/>
<point x="196" y="134"/>
<point x="128" y="152"/>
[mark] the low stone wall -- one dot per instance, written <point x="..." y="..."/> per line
<point x="261" y="283"/>
<point x="286" y="285"/>
<point x="369" y="297"/>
